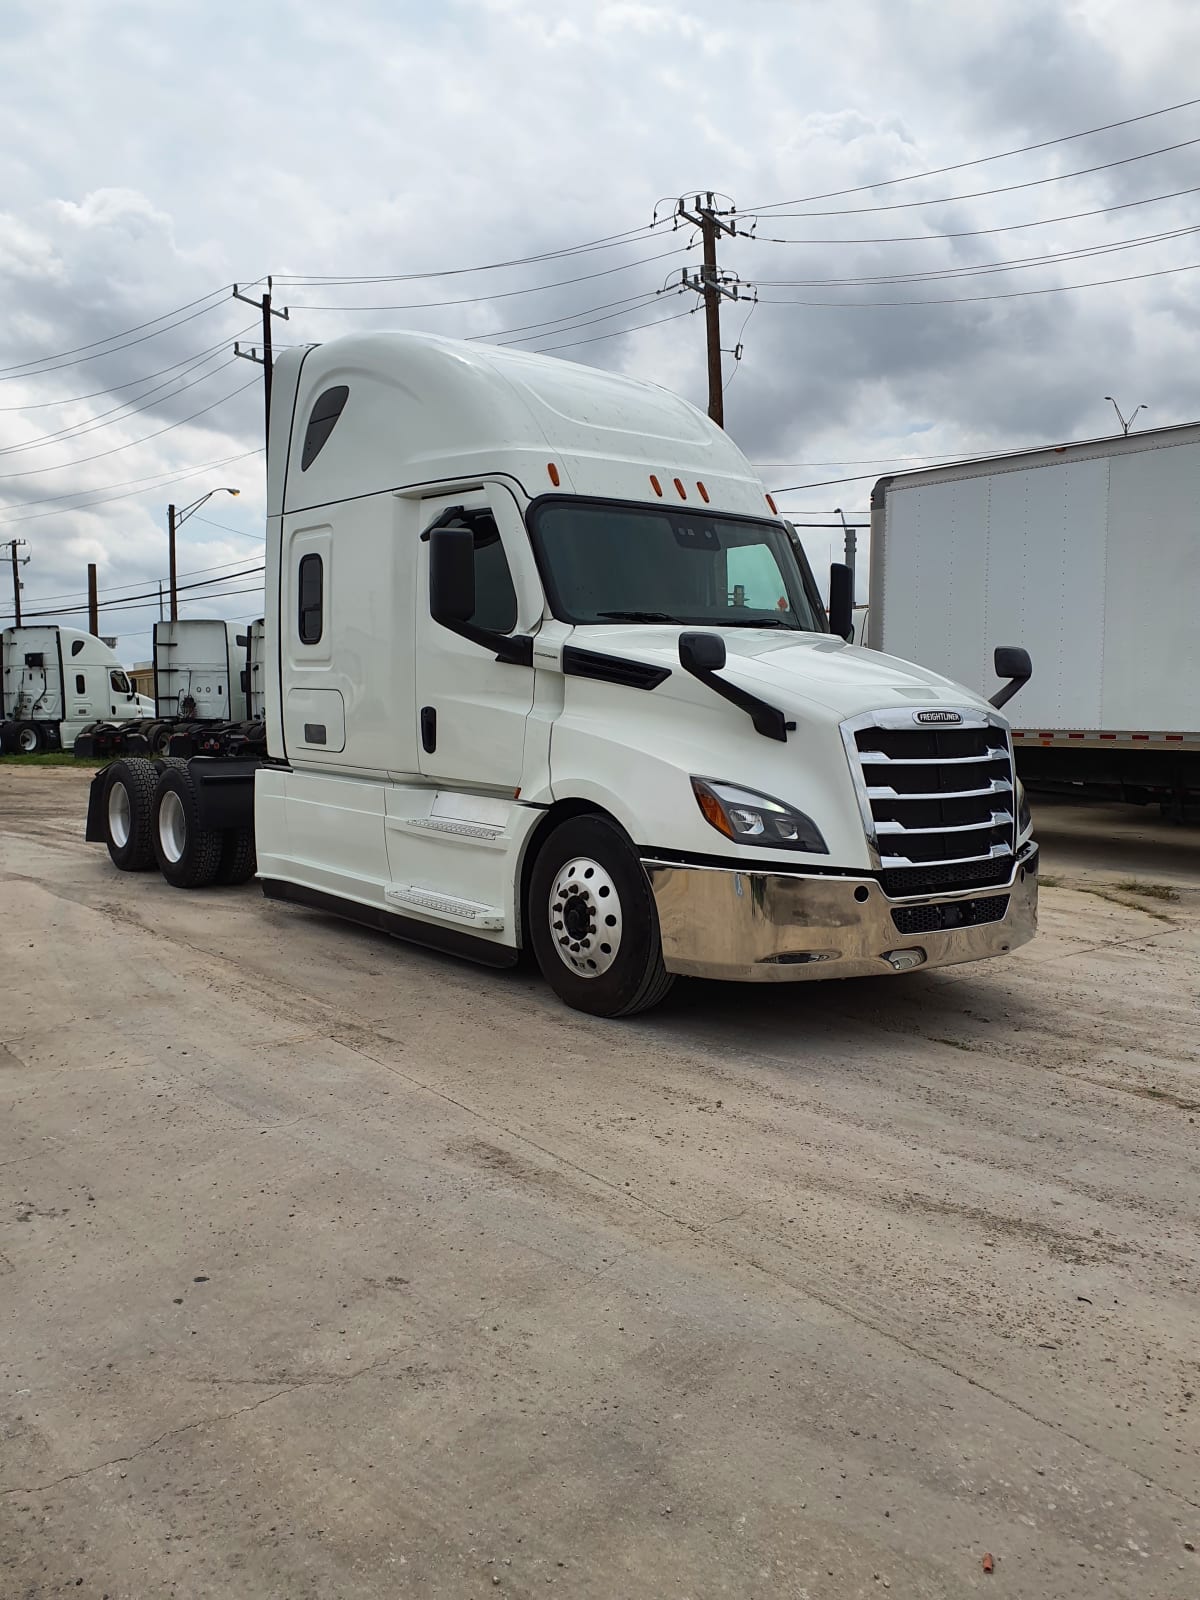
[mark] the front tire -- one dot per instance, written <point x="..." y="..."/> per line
<point x="188" y="855"/>
<point x="29" y="740"/>
<point x="593" y="923"/>
<point x="129" y="788"/>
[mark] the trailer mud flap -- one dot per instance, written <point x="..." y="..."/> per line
<point x="94" y="833"/>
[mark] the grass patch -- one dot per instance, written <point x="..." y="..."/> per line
<point x="1149" y="891"/>
<point x="51" y="758"/>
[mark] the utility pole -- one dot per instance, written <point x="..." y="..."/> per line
<point x="14" y="545"/>
<point x="171" y="564"/>
<point x="711" y="285"/>
<point x="267" y="360"/>
<point x="160" y="601"/>
<point x="93" y="603"/>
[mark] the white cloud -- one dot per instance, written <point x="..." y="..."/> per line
<point x="151" y="154"/>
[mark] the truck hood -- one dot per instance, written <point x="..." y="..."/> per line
<point x="794" y="670"/>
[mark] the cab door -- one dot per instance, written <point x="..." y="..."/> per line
<point x="471" y="709"/>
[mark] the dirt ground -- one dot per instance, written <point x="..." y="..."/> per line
<point x="333" y="1269"/>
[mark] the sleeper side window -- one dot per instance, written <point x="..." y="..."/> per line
<point x="311" y="588"/>
<point x="80" y="683"/>
<point x="495" y="596"/>
<point x="326" y="410"/>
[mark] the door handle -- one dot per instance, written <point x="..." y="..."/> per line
<point x="428" y="729"/>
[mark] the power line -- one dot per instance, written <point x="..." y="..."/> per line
<point x="135" y="583"/>
<point x="979" y="161"/>
<point x="79" y="461"/>
<point x="130" y="383"/>
<point x="37" y="361"/>
<point x="134" y="602"/>
<point x="506" y="294"/>
<point x="607" y="242"/>
<point x="569" y="316"/>
<point x="617" y="333"/>
<point x="551" y="333"/>
<point x="226" y="529"/>
<point x="980" y="194"/>
<point x="967" y="299"/>
<point x="155" y="481"/>
<point x="975" y="233"/>
<point x="982" y="268"/>
<point x="109" y="419"/>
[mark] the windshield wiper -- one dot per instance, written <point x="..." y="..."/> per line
<point x="757" y="622"/>
<point x="639" y="616"/>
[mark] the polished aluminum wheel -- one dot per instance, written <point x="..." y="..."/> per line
<point x="120" y="815"/>
<point x="172" y="826"/>
<point x="585" y="917"/>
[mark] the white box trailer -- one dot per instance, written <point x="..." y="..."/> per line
<point x="1088" y="555"/>
<point x="544" y="669"/>
<point x="54" y="682"/>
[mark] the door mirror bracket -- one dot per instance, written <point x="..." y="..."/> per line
<point x="452" y="590"/>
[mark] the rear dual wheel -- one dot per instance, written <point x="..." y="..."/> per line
<point x="190" y="856"/>
<point x="129" y="792"/>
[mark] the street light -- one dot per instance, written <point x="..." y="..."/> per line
<point x="176" y="520"/>
<point x="1125" y="424"/>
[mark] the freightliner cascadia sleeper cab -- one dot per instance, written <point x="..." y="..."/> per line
<point x="544" y="668"/>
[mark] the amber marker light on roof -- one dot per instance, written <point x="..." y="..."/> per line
<point x="655" y="485"/>
<point x="772" y="505"/>
<point x="680" y="488"/>
<point x="553" y="471"/>
<point x="703" y="491"/>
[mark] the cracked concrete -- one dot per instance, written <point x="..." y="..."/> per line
<point x="778" y="1293"/>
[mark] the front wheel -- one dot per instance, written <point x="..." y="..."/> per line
<point x="30" y="740"/>
<point x="593" y="923"/>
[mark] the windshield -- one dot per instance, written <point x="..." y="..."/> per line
<point x="603" y="562"/>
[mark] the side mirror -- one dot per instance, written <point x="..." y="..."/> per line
<point x="1013" y="663"/>
<point x="451" y="575"/>
<point x="701" y="652"/>
<point x="841" y="601"/>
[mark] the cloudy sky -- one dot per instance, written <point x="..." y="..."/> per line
<point x="152" y="154"/>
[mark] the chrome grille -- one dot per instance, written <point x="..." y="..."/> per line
<point x="935" y="796"/>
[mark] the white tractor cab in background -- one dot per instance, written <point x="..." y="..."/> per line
<point x="54" y="682"/>
<point x="202" y="667"/>
<point x="256" y="682"/>
<point x="544" y="669"/>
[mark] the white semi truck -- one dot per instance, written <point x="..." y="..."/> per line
<point x="1089" y="556"/>
<point x="56" y="681"/>
<point x="203" y="669"/>
<point x="544" y="669"/>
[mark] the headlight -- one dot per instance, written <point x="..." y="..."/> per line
<point x="750" y="818"/>
<point x="1024" y="816"/>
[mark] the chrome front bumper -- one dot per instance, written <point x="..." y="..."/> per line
<point x="783" y="927"/>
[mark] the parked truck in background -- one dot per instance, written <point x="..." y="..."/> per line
<point x="544" y="669"/>
<point x="54" y="682"/>
<point x="203" y="668"/>
<point x="1088" y="555"/>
